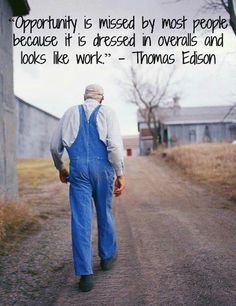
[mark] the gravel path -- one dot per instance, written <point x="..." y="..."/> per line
<point x="176" y="239"/>
<point x="35" y="271"/>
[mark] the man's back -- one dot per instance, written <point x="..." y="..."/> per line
<point x="108" y="131"/>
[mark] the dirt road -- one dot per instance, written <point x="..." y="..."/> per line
<point x="177" y="246"/>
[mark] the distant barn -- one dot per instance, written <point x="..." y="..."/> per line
<point x="34" y="130"/>
<point x="185" y="125"/>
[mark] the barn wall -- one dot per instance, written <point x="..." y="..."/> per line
<point x="195" y="133"/>
<point x="34" y="131"/>
<point x="8" y="182"/>
<point x="192" y="133"/>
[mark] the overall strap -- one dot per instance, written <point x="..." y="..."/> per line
<point x="82" y="113"/>
<point x="94" y="113"/>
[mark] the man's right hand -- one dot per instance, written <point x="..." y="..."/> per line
<point x="63" y="175"/>
<point x="119" y="185"/>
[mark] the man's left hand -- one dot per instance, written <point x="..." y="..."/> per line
<point x="63" y="174"/>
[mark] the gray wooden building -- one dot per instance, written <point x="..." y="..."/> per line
<point x="186" y="125"/>
<point x="8" y="182"/>
<point x="34" y="130"/>
<point x="36" y="126"/>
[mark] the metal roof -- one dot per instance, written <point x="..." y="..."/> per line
<point x="35" y="107"/>
<point x="19" y="7"/>
<point x="197" y="122"/>
<point x="194" y="115"/>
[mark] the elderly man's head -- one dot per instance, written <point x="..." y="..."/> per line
<point x="94" y="91"/>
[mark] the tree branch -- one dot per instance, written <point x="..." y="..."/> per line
<point x="230" y="111"/>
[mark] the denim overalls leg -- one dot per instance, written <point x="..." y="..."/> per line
<point x="91" y="176"/>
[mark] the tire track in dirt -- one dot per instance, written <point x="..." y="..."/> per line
<point x="184" y="239"/>
<point x="176" y="243"/>
<point x="121" y="286"/>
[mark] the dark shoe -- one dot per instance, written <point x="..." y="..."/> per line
<point x="107" y="264"/>
<point x="86" y="283"/>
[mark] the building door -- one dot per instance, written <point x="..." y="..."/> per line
<point x="192" y="136"/>
<point x="233" y="132"/>
<point x="165" y="136"/>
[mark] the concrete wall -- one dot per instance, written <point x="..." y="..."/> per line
<point x="8" y="182"/>
<point x="34" y="131"/>
<point x="145" y="142"/>
<point x="146" y="145"/>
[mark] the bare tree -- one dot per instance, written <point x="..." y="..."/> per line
<point x="148" y="96"/>
<point x="227" y="5"/>
<point x="231" y="111"/>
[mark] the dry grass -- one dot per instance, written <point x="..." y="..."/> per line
<point x="35" y="172"/>
<point x="213" y="164"/>
<point x="15" y="221"/>
<point x="18" y="219"/>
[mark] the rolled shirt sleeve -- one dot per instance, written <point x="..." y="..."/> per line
<point x="57" y="146"/>
<point x="115" y="143"/>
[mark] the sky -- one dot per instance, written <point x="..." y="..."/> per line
<point x="55" y="88"/>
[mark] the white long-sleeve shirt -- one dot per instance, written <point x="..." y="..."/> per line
<point x="108" y="130"/>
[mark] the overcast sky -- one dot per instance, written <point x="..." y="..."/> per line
<point x="54" y="88"/>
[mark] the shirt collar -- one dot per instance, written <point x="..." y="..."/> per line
<point x="91" y="101"/>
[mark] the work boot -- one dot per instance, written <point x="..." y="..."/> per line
<point x="107" y="264"/>
<point x="86" y="283"/>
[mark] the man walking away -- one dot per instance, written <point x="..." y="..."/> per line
<point x="90" y="133"/>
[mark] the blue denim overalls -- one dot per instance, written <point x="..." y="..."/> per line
<point x="91" y="176"/>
